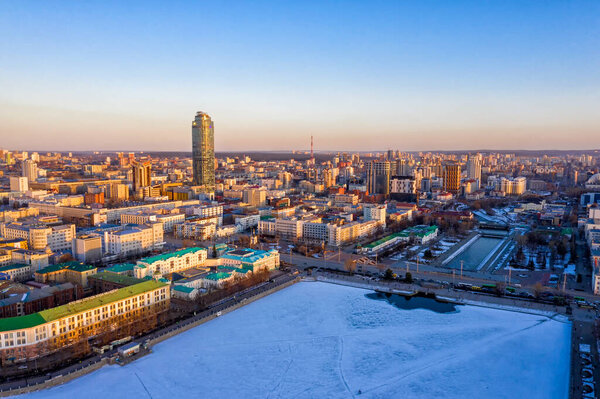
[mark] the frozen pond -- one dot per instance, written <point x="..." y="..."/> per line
<point x="475" y="253"/>
<point x="318" y="340"/>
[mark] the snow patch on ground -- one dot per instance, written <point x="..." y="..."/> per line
<point x="319" y="340"/>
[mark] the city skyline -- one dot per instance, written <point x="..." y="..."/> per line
<point x="415" y="77"/>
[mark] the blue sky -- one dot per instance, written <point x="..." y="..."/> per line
<point x="408" y="75"/>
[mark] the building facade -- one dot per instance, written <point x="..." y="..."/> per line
<point x="203" y="151"/>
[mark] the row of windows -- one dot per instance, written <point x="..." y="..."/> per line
<point x="69" y="325"/>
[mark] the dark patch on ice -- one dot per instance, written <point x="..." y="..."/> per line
<point x="414" y="302"/>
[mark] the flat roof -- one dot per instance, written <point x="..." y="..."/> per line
<point x="116" y="278"/>
<point x="181" y="252"/>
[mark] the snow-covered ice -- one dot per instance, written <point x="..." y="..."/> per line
<point x="319" y="340"/>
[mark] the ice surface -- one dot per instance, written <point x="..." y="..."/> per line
<point x="319" y="340"/>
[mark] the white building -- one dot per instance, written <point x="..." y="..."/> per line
<point x="251" y="259"/>
<point x="19" y="184"/>
<point x="39" y="236"/>
<point x="246" y="221"/>
<point x="403" y="185"/>
<point x="203" y="229"/>
<point x="30" y="170"/>
<point x="375" y="212"/>
<point x="134" y="240"/>
<point x="18" y="272"/>
<point x="208" y="211"/>
<point x="163" y="264"/>
<point x="169" y="220"/>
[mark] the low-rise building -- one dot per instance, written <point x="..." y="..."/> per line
<point x="35" y="300"/>
<point x="38" y="334"/>
<point x="73" y="272"/>
<point x="107" y="281"/>
<point x="40" y="235"/>
<point x="88" y="248"/>
<point x="168" y="219"/>
<point x="17" y="272"/>
<point x="163" y="264"/>
<point x="134" y="239"/>
<point x="251" y="259"/>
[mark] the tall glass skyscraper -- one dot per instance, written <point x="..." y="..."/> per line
<point x="203" y="151"/>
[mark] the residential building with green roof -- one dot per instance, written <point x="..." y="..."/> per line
<point x="163" y="264"/>
<point x="24" y="337"/>
<point x="73" y="272"/>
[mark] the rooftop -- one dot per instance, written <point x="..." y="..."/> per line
<point x="120" y="268"/>
<point x="116" y="278"/>
<point x="75" y="266"/>
<point x="45" y="316"/>
<point x="217" y="276"/>
<point x="181" y="252"/>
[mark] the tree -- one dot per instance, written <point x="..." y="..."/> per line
<point x="500" y="288"/>
<point x="408" y="278"/>
<point x="350" y="265"/>
<point x="428" y="254"/>
<point x="65" y="258"/>
<point x="389" y="274"/>
<point x="537" y="290"/>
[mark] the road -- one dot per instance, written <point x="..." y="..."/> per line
<point x="426" y="272"/>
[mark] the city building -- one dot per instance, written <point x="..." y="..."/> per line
<point x="255" y="196"/>
<point x="107" y="281"/>
<point x="403" y="188"/>
<point x="40" y="235"/>
<point x="251" y="259"/>
<point x="516" y="186"/>
<point x="452" y="173"/>
<point x="17" y="272"/>
<point x="19" y="184"/>
<point x="38" y="334"/>
<point x="173" y="262"/>
<point x="378" y="177"/>
<point x="474" y="169"/>
<point x="134" y="239"/>
<point x="87" y="248"/>
<point x="37" y="299"/>
<point x="168" y="219"/>
<point x="375" y="212"/>
<point x="72" y="272"/>
<point x="30" y="170"/>
<point x="203" y="151"/>
<point x="142" y="175"/>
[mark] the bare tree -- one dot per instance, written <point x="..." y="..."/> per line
<point x="350" y="265"/>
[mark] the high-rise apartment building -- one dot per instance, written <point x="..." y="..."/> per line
<point x="452" y="177"/>
<point x="142" y="175"/>
<point x="255" y="196"/>
<point x="378" y="177"/>
<point x="516" y="186"/>
<point x="203" y="151"/>
<point x="474" y="169"/>
<point x="30" y="170"/>
<point x="19" y="184"/>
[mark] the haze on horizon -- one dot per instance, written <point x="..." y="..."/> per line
<point x="356" y="75"/>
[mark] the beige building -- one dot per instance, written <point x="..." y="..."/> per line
<point x="37" y="334"/>
<point x="40" y="236"/>
<point x="88" y="248"/>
